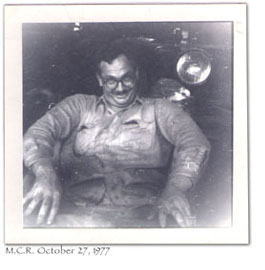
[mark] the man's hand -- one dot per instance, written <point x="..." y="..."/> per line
<point x="178" y="207"/>
<point x="45" y="194"/>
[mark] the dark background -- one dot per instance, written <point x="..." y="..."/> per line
<point x="58" y="61"/>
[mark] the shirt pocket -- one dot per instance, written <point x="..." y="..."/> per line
<point x="86" y="137"/>
<point x="137" y="135"/>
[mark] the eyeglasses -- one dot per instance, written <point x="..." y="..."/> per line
<point x="127" y="81"/>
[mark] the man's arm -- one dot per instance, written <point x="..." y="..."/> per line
<point x="39" y="148"/>
<point x="191" y="151"/>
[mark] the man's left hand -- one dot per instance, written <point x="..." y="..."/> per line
<point x="178" y="207"/>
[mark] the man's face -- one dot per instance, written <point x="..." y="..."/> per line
<point x="118" y="81"/>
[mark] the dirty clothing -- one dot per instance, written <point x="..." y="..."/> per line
<point x="126" y="158"/>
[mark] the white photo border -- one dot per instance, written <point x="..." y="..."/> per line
<point x="15" y="16"/>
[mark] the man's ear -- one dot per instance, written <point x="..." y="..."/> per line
<point x="99" y="80"/>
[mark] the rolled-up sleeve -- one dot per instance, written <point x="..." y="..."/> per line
<point x="56" y="125"/>
<point x="191" y="148"/>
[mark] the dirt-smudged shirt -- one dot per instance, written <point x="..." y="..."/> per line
<point x="130" y="157"/>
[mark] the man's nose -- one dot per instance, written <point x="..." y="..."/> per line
<point x="119" y="87"/>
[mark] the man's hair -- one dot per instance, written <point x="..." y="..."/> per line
<point x="110" y="51"/>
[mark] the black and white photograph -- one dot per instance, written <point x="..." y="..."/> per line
<point x="129" y="124"/>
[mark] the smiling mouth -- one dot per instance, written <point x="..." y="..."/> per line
<point x="121" y="95"/>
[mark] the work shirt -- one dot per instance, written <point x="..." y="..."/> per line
<point x="130" y="157"/>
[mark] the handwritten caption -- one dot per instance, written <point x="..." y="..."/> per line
<point x="99" y="251"/>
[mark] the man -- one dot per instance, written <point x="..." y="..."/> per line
<point x="118" y="151"/>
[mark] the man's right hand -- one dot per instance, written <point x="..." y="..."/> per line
<point x="45" y="194"/>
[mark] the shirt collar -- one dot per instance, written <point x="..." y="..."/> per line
<point x="101" y="100"/>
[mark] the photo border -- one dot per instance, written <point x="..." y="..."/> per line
<point x="14" y="16"/>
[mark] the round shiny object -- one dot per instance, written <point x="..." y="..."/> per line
<point x="194" y="67"/>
